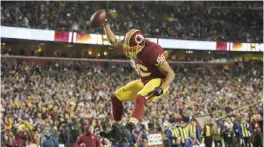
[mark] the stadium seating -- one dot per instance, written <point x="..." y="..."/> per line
<point x="234" y="21"/>
<point x="62" y="96"/>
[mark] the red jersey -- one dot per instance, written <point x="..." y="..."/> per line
<point x="89" y="141"/>
<point x="147" y="60"/>
<point x="256" y="126"/>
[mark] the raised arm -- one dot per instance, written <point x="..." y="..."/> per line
<point x="166" y="69"/>
<point x="111" y="37"/>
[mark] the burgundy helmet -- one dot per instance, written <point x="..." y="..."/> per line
<point x="133" y="43"/>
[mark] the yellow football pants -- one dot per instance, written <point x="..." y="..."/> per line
<point x="136" y="87"/>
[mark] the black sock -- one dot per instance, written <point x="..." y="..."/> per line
<point x="130" y="126"/>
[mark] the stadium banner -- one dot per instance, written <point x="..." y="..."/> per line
<point x="239" y="47"/>
<point x="98" y="39"/>
<point x="62" y="36"/>
<point x="256" y="47"/>
<point x="155" y="40"/>
<point x="155" y="139"/>
<point x="87" y="38"/>
<point x="25" y="33"/>
<point x="222" y="46"/>
<point x="105" y="40"/>
<point x="187" y="44"/>
<point x="247" y="47"/>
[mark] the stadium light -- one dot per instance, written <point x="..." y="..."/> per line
<point x="90" y="52"/>
<point x="39" y="49"/>
<point x="189" y="52"/>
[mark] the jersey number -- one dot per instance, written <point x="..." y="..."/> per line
<point x="142" y="70"/>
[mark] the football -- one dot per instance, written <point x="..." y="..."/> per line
<point x="97" y="19"/>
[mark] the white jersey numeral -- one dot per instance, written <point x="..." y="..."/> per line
<point x="161" y="58"/>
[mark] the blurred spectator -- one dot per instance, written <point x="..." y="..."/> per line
<point x="220" y="21"/>
<point x="139" y="137"/>
<point x="88" y="139"/>
<point x="246" y="129"/>
<point x="50" y="142"/>
<point x="217" y="135"/>
<point x="208" y="133"/>
<point x="61" y="97"/>
<point x="227" y="132"/>
<point x="257" y="125"/>
<point x="238" y="136"/>
<point x="192" y="141"/>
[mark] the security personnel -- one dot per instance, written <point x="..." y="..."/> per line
<point x="207" y="133"/>
<point x="191" y="141"/>
<point x="170" y="136"/>
<point x="183" y="132"/>
<point x="176" y="132"/>
<point x="237" y="129"/>
<point x="194" y="128"/>
<point x="165" y="137"/>
<point x="245" y="131"/>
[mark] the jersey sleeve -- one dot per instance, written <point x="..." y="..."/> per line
<point x="98" y="142"/>
<point x="79" y="141"/>
<point x="156" y="56"/>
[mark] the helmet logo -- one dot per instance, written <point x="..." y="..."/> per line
<point x="139" y="38"/>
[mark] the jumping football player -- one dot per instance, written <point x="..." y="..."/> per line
<point x="155" y="74"/>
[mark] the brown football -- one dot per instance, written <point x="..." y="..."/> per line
<point x="97" y="19"/>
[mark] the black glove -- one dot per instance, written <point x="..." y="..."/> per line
<point x="130" y="126"/>
<point x="157" y="91"/>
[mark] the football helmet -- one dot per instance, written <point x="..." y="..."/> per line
<point x="133" y="43"/>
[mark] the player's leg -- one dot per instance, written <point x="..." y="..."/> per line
<point x="144" y="96"/>
<point x="125" y="93"/>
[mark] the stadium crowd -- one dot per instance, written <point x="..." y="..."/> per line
<point x="60" y="97"/>
<point x="217" y="21"/>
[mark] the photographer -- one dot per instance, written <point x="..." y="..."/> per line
<point x="227" y="132"/>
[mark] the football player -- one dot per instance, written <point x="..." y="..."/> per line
<point x="148" y="59"/>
